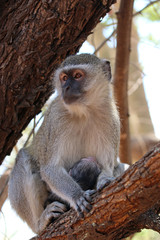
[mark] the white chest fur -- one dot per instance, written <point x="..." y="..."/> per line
<point x="86" y="138"/>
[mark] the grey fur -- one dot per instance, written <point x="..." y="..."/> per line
<point x="88" y="127"/>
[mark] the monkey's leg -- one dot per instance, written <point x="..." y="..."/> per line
<point x="28" y="193"/>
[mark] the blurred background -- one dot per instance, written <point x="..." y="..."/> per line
<point x="143" y="93"/>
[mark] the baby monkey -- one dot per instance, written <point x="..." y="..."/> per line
<point x="86" y="172"/>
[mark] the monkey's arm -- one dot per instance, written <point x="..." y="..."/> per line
<point x="28" y="193"/>
<point x="108" y="161"/>
<point x="65" y="187"/>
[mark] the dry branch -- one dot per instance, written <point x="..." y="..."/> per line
<point x="120" y="209"/>
<point x="35" y="36"/>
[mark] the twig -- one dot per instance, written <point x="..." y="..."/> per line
<point x="102" y="44"/>
<point x="32" y="131"/>
<point x="148" y="5"/>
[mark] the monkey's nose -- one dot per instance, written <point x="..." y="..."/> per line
<point x="67" y="88"/>
<point x="70" y="94"/>
<point x="66" y="91"/>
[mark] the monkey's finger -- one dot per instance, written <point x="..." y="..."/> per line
<point x="61" y="205"/>
<point x="57" y="207"/>
<point x="104" y="183"/>
<point x="84" y="205"/>
<point x="90" y="192"/>
<point x="88" y="195"/>
<point x="50" y="216"/>
<point x="87" y="206"/>
<point x="78" y="210"/>
<point x="80" y="214"/>
<point x="53" y="215"/>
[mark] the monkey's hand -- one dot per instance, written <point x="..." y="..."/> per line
<point x="82" y="202"/>
<point x="51" y="212"/>
<point x="67" y="189"/>
<point x="120" y="168"/>
<point x="104" y="180"/>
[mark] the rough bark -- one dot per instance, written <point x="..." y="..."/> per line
<point x="35" y="36"/>
<point x="121" y="74"/>
<point x="124" y="207"/>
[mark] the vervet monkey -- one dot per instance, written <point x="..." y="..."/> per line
<point x="82" y="121"/>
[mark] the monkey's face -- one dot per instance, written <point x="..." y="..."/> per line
<point x="72" y="84"/>
<point x="82" y="81"/>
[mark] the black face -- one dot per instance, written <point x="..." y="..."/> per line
<point x="71" y="82"/>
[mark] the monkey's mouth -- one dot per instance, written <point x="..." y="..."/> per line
<point x="71" y="99"/>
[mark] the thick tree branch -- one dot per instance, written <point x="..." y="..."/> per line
<point x="120" y="209"/>
<point x="35" y="36"/>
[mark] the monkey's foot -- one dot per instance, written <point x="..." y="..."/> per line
<point x="51" y="212"/>
<point x="104" y="182"/>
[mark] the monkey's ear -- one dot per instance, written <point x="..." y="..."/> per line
<point x="107" y="68"/>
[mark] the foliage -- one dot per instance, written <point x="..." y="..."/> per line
<point x="154" y="40"/>
<point x="152" y="13"/>
<point x="146" y="235"/>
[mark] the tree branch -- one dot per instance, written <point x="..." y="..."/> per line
<point x="105" y="40"/>
<point x="120" y="209"/>
<point x="121" y="75"/>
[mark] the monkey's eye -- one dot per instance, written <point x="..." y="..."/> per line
<point x="63" y="77"/>
<point x="78" y="75"/>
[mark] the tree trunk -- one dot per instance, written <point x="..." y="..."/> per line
<point x="121" y="75"/>
<point x="120" y="209"/>
<point x="35" y="36"/>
